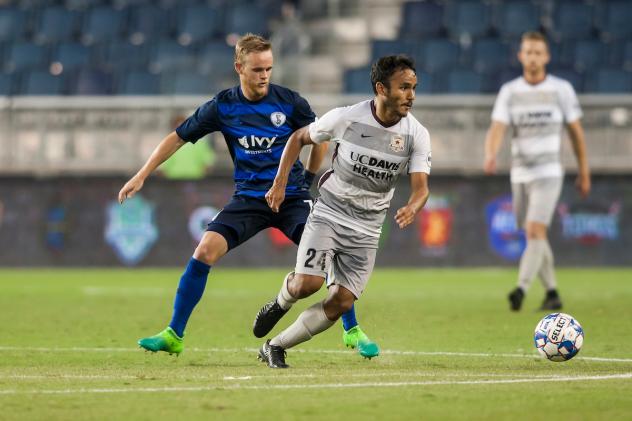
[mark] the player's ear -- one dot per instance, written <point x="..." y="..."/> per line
<point x="380" y="88"/>
<point x="238" y="67"/>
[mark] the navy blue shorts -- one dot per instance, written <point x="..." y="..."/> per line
<point x="244" y="216"/>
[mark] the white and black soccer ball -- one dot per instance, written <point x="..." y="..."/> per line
<point x="558" y="337"/>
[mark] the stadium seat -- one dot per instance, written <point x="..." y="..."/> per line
<point x="6" y="85"/>
<point x="626" y="56"/>
<point x="216" y="60"/>
<point x="188" y="83"/>
<point x="57" y="24"/>
<point x="513" y="18"/>
<point x="464" y="81"/>
<point x="242" y="18"/>
<point x="428" y="83"/>
<point x="122" y="56"/>
<point x="573" y="20"/>
<point x="72" y="55"/>
<point x="24" y="56"/>
<point x="12" y="23"/>
<point x="421" y="19"/>
<point x="467" y="18"/>
<point x="439" y="54"/>
<point x="103" y="24"/>
<point x="89" y="81"/>
<point x="358" y="81"/>
<point x="609" y="80"/>
<point x="589" y="54"/>
<point x="381" y="48"/>
<point x="149" y="22"/>
<point x="138" y="83"/>
<point x="490" y="55"/>
<point x="42" y="83"/>
<point x="613" y="19"/>
<point x="198" y="23"/>
<point x="169" y="55"/>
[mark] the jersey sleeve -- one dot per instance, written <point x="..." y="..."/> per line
<point x="421" y="156"/>
<point x="330" y="126"/>
<point x="501" y="106"/>
<point x="302" y="114"/>
<point x="202" y="122"/>
<point x="570" y="104"/>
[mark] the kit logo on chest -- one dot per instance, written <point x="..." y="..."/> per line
<point x="277" y="118"/>
<point x="397" y="143"/>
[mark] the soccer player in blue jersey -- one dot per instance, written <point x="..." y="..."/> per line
<point x="256" y="119"/>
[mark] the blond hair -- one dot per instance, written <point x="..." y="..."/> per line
<point x="250" y="43"/>
<point x="534" y="36"/>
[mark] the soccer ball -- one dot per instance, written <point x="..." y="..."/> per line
<point x="558" y="337"/>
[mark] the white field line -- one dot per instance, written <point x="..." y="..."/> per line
<point x="315" y="351"/>
<point x="311" y="386"/>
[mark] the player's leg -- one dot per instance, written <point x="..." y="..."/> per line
<point x="291" y="220"/>
<point x="237" y="222"/>
<point x="520" y="200"/>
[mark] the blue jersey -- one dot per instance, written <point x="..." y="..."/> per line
<point x="256" y="133"/>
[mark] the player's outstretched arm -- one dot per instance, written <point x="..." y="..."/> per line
<point x="576" y="134"/>
<point x="316" y="157"/>
<point x="167" y="147"/>
<point x="276" y="195"/>
<point x="418" y="198"/>
<point x="493" y="141"/>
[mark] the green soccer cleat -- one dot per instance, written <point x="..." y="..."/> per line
<point x="167" y="341"/>
<point x="356" y="338"/>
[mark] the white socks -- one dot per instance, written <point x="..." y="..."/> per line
<point x="547" y="268"/>
<point x="530" y="262"/>
<point x="309" y="323"/>
<point x="284" y="298"/>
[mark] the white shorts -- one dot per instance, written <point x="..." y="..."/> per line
<point x="535" y="201"/>
<point x="337" y="253"/>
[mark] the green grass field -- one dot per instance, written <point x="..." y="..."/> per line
<point x="451" y="349"/>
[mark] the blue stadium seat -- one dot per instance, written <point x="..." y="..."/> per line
<point x="198" y="23"/>
<point x="464" y="81"/>
<point x="381" y="48"/>
<point x="123" y="56"/>
<point x="613" y="19"/>
<point x="89" y="81"/>
<point x="243" y="17"/>
<point x="358" y="81"/>
<point x="188" y="83"/>
<point x="103" y="24"/>
<point x="490" y="55"/>
<point x="6" y="85"/>
<point x="72" y="55"/>
<point x="56" y="24"/>
<point x="24" y="56"/>
<point x="626" y="59"/>
<point x="169" y="56"/>
<point x="428" y="83"/>
<point x="42" y="83"/>
<point x="513" y="18"/>
<point x="139" y="83"/>
<point x="149" y="22"/>
<point x="589" y="54"/>
<point x="421" y="19"/>
<point x="609" y="80"/>
<point x="12" y="23"/>
<point x="468" y="17"/>
<point x="216" y="60"/>
<point x="573" y="20"/>
<point x="439" y="54"/>
<point x="576" y="79"/>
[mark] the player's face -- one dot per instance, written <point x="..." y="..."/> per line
<point x="254" y="73"/>
<point x="400" y="94"/>
<point x="533" y="55"/>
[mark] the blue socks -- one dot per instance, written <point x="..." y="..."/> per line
<point x="189" y="292"/>
<point x="348" y="319"/>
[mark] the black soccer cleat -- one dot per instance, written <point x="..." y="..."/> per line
<point x="267" y="318"/>
<point x="551" y="301"/>
<point x="272" y="355"/>
<point x="515" y="299"/>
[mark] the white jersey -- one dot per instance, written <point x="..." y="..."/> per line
<point x="356" y="192"/>
<point x="536" y="114"/>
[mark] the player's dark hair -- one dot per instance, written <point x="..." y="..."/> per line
<point x="384" y="68"/>
<point x="250" y="43"/>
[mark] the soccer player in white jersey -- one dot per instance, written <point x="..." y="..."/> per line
<point x="376" y="141"/>
<point x="536" y="106"/>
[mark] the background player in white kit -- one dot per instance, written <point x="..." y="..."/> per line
<point x="536" y="106"/>
<point x="376" y="141"/>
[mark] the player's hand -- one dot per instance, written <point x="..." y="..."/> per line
<point x="583" y="185"/>
<point x="405" y="216"/>
<point x="275" y="196"/>
<point x="130" y="188"/>
<point x="489" y="166"/>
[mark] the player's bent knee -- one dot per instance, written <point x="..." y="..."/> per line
<point x="339" y="301"/>
<point x="211" y="248"/>
<point x="303" y="285"/>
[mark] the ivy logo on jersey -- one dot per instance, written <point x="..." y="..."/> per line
<point x="397" y="143"/>
<point x="253" y="141"/>
<point x="277" y="118"/>
<point x="130" y="229"/>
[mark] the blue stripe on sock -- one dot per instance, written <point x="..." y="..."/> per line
<point x="349" y="319"/>
<point x="190" y="290"/>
